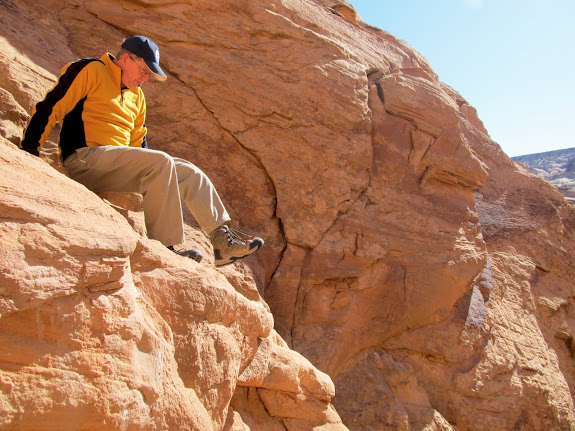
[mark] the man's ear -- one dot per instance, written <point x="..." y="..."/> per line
<point x="124" y="58"/>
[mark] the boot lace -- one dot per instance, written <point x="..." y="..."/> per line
<point x="237" y="237"/>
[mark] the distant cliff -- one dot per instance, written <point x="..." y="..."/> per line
<point x="557" y="167"/>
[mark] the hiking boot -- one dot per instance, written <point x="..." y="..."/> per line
<point x="191" y="253"/>
<point x="231" y="245"/>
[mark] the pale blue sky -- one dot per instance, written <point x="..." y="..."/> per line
<point x="513" y="60"/>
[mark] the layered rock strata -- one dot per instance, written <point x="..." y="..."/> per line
<point x="103" y="328"/>
<point x="407" y="257"/>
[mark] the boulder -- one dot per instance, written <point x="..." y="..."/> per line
<point x="407" y="257"/>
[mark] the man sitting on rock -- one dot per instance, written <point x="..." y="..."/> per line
<point x="102" y="111"/>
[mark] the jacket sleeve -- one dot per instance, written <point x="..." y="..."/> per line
<point x="138" y="136"/>
<point x="71" y="87"/>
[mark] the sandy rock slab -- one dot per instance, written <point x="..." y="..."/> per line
<point x="104" y="329"/>
<point x="406" y="256"/>
<point x="81" y="347"/>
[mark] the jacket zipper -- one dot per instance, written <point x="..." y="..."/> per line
<point x="122" y="96"/>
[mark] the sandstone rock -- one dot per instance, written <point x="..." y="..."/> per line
<point x="83" y="236"/>
<point x="14" y="117"/>
<point x="114" y="331"/>
<point x="81" y="346"/>
<point x="406" y="256"/>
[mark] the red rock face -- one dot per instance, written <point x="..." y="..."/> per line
<point x="406" y="256"/>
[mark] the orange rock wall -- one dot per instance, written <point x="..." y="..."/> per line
<point x="406" y="256"/>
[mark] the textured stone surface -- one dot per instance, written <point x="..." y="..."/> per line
<point x="406" y="256"/>
<point x="102" y="328"/>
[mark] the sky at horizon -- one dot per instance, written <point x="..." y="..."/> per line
<point x="510" y="59"/>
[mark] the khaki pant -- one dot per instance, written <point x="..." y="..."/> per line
<point x="163" y="182"/>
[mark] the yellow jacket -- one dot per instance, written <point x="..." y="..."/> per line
<point x="92" y="109"/>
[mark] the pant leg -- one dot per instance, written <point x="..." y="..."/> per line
<point x="200" y="196"/>
<point x="128" y="169"/>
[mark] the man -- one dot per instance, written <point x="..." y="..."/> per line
<point x="102" y="111"/>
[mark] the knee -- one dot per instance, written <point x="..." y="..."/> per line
<point x="161" y="162"/>
<point x="187" y="170"/>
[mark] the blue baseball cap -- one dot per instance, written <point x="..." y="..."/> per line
<point x="143" y="47"/>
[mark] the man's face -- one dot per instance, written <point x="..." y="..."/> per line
<point x="134" y="71"/>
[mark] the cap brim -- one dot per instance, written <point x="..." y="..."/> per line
<point x="157" y="72"/>
<point x="158" y="77"/>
